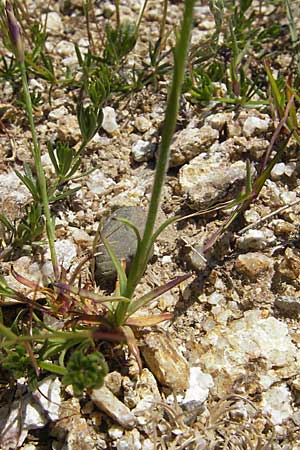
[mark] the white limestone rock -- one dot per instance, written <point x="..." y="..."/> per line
<point x="228" y="349"/>
<point x="106" y="401"/>
<point x="255" y="239"/>
<point x="190" y="142"/>
<point x="109" y="123"/>
<point x="276" y="404"/>
<point x="54" y="24"/>
<point x="142" y="150"/>
<point x="199" y="386"/>
<point x="98" y="183"/>
<point x="254" y="126"/>
<point x="209" y="179"/>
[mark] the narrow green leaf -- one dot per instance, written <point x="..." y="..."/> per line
<point x="142" y="301"/>
<point x="132" y="226"/>
<point x="54" y="368"/>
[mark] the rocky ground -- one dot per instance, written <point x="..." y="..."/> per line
<point x="224" y="374"/>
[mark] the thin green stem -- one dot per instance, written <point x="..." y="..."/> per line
<point x="5" y="331"/>
<point x="142" y="255"/>
<point x="36" y="151"/>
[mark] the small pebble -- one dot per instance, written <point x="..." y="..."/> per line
<point x="109" y="123"/>
<point x="253" y="264"/>
<point x="254" y="126"/>
<point x="58" y="113"/>
<point x="142" y="150"/>
<point x="53" y="22"/>
<point x="106" y="401"/>
<point x="277" y="171"/>
<point x="142" y="124"/>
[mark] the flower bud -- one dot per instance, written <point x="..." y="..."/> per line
<point x="14" y="32"/>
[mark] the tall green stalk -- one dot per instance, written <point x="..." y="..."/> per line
<point x="36" y="151"/>
<point x="142" y="255"/>
<point x="18" y="48"/>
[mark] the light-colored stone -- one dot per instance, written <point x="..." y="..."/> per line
<point x="113" y="382"/>
<point x="58" y="113"/>
<point x="199" y="386"/>
<point x="226" y="350"/>
<point x="131" y="441"/>
<point x="166" y="361"/>
<point x="277" y="171"/>
<point x="142" y="124"/>
<point x="106" y="401"/>
<point x="254" y="126"/>
<point x="253" y="265"/>
<point x="276" y="404"/>
<point x="218" y="120"/>
<point x="98" y="183"/>
<point x="146" y="395"/>
<point x="142" y="150"/>
<point x="115" y="432"/>
<point x="109" y="123"/>
<point x="81" y="237"/>
<point x="33" y="411"/>
<point x="66" y="251"/>
<point x="255" y="239"/>
<point x="12" y="189"/>
<point x="209" y="179"/>
<point x="54" y="24"/>
<point x="190" y="142"/>
<point x="68" y="129"/>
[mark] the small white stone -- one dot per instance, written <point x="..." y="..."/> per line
<point x="141" y="150"/>
<point x="215" y="298"/>
<point x="98" y="182"/>
<point x="218" y="120"/>
<point x="54" y="23"/>
<point x="290" y="169"/>
<point x="142" y="124"/>
<point x="288" y="197"/>
<point x="199" y="385"/>
<point x="81" y="237"/>
<point x="65" y="49"/>
<point x="37" y="85"/>
<point x="83" y="42"/>
<point x="115" y="432"/>
<point x="251" y="216"/>
<point x="167" y="259"/>
<point x="106" y="401"/>
<point x="255" y="125"/>
<point x="66" y="251"/>
<point x="70" y="61"/>
<point x="109" y="123"/>
<point x="277" y="171"/>
<point x="12" y="188"/>
<point x="46" y="160"/>
<point x="277" y="404"/>
<point x="58" y="113"/>
<point x="148" y="445"/>
<point x="255" y="239"/>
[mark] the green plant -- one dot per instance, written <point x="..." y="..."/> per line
<point x="25" y="232"/>
<point x="18" y="47"/>
<point x="252" y="189"/>
<point x="145" y="243"/>
<point x="71" y="354"/>
<point x="228" y="57"/>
